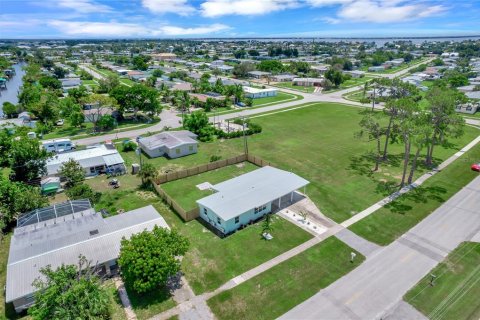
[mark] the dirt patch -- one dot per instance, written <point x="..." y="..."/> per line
<point x="146" y="195"/>
<point x="171" y="168"/>
<point x="240" y="165"/>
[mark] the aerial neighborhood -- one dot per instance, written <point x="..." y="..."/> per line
<point x="291" y="178"/>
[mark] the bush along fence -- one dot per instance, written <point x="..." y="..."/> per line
<point x="194" y="213"/>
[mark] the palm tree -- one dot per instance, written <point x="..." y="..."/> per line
<point x="147" y="172"/>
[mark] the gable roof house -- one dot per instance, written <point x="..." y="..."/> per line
<point x="173" y="144"/>
<point x="59" y="234"/>
<point x="248" y="197"/>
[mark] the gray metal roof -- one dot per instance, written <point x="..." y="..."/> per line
<point x="63" y="242"/>
<point x="250" y="190"/>
<point x="169" y="139"/>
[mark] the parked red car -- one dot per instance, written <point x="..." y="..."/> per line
<point x="476" y="167"/>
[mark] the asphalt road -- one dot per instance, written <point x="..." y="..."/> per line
<point x="376" y="287"/>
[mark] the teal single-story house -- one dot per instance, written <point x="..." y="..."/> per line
<point x="246" y="198"/>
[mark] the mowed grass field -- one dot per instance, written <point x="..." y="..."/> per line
<point x="456" y="290"/>
<point x="185" y="191"/>
<point x="318" y="143"/>
<point x="280" y="97"/>
<point x="396" y="218"/>
<point x="277" y="290"/>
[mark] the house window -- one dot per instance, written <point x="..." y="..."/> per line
<point x="256" y="210"/>
<point x="219" y="221"/>
<point x="237" y="219"/>
<point x="190" y="148"/>
<point x="177" y="151"/>
<point x="205" y="211"/>
<point x="92" y="169"/>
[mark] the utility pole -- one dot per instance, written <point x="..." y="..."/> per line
<point x="245" y="144"/>
<point x="373" y="100"/>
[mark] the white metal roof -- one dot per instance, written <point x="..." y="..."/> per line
<point x="63" y="242"/>
<point x="87" y="158"/>
<point x="256" y="90"/>
<point x="250" y="190"/>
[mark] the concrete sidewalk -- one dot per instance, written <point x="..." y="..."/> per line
<point x="373" y="289"/>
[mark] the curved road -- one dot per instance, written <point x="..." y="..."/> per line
<point x="170" y="118"/>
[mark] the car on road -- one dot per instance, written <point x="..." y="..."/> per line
<point x="476" y="167"/>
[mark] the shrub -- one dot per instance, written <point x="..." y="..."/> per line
<point x="129" y="146"/>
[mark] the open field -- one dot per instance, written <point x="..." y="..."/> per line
<point x="390" y="222"/>
<point x="305" y="142"/>
<point x="456" y="289"/>
<point x="289" y="85"/>
<point x="185" y="192"/>
<point x="277" y="290"/>
<point x="399" y="68"/>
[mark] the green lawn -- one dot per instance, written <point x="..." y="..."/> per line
<point x="317" y="143"/>
<point x="399" y="68"/>
<point x="185" y="192"/>
<point x="211" y="261"/>
<point x="409" y="209"/>
<point x="281" y="96"/>
<point x="289" y="85"/>
<point x="456" y="291"/>
<point x="354" y="96"/>
<point x="279" y="289"/>
<point x="116" y="308"/>
<point x="148" y="305"/>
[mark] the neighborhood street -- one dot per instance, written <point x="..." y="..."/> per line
<point x="375" y="289"/>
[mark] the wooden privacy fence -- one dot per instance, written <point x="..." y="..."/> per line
<point x="172" y="176"/>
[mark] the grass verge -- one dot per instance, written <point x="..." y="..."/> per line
<point x="390" y="222"/>
<point x="456" y="290"/>
<point x="277" y="290"/>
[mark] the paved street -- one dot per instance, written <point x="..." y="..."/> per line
<point x="376" y="287"/>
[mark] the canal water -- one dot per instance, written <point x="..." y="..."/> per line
<point x="13" y="86"/>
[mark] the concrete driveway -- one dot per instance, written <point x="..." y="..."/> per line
<point x="376" y="288"/>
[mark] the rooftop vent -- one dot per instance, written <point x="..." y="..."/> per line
<point x="94" y="232"/>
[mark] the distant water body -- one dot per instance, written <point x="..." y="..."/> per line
<point x="13" y="86"/>
<point x="378" y="41"/>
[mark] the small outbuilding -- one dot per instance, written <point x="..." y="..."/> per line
<point x="172" y="144"/>
<point x="256" y="93"/>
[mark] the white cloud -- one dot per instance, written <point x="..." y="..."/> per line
<point x="180" y="7"/>
<point x="322" y="3"/>
<point x="84" y="6"/>
<point x="179" y="31"/>
<point x="386" y="11"/>
<point x="217" y="8"/>
<point x="118" y="30"/>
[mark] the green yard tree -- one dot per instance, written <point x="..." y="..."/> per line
<point x="27" y="159"/>
<point x="335" y="76"/>
<point x="76" y="118"/>
<point x="137" y="97"/>
<point x="72" y="172"/>
<point x="371" y="127"/>
<point x="241" y="70"/>
<point x="148" y="259"/>
<point x="70" y="292"/>
<point x="9" y="109"/>
<point x="50" y="82"/>
<point x="147" y="172"/>
<point x="196" y="121"/>
<point x="83" y="191"/>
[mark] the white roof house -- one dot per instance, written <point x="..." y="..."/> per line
<point x="247" y="197"/>
<point x="255" y="93"/>
<point x="62" y="239"/>
<point x="99" y="156"/>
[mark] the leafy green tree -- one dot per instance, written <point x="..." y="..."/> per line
<point x="59" y="72"/>
<point x="241" y="70"/>
<point x="27" y="159"/>
<point x="335" y="76"/>
<point x="371" y="126"/>
<point x="148" y="259"/>
<point x="106" y="122"/>
<point x="106" y="85"/>
<point x="78" y="94"/>
<point x="9" y="109"/>
<point x="29" y="95"/>
<point x="70" y="292"/>
<point x="47" y="109"/>
<point x="76" y="118"/>
<point x="72" y="172"/>
<point x="138" y="97"/>
<point x="267" y="224"/>
<point x="147" y="172"/>
<point x="140" y="62"/>
<point x="273" y="66"/>
<point x="157" y="73"/>
<point x="196" y="121"/>
<point x="50" y="82"/>
<point x="83" y="191"/>
<point x="17" y="198"/>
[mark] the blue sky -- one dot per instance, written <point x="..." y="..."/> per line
<point x="236" y="18"/>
